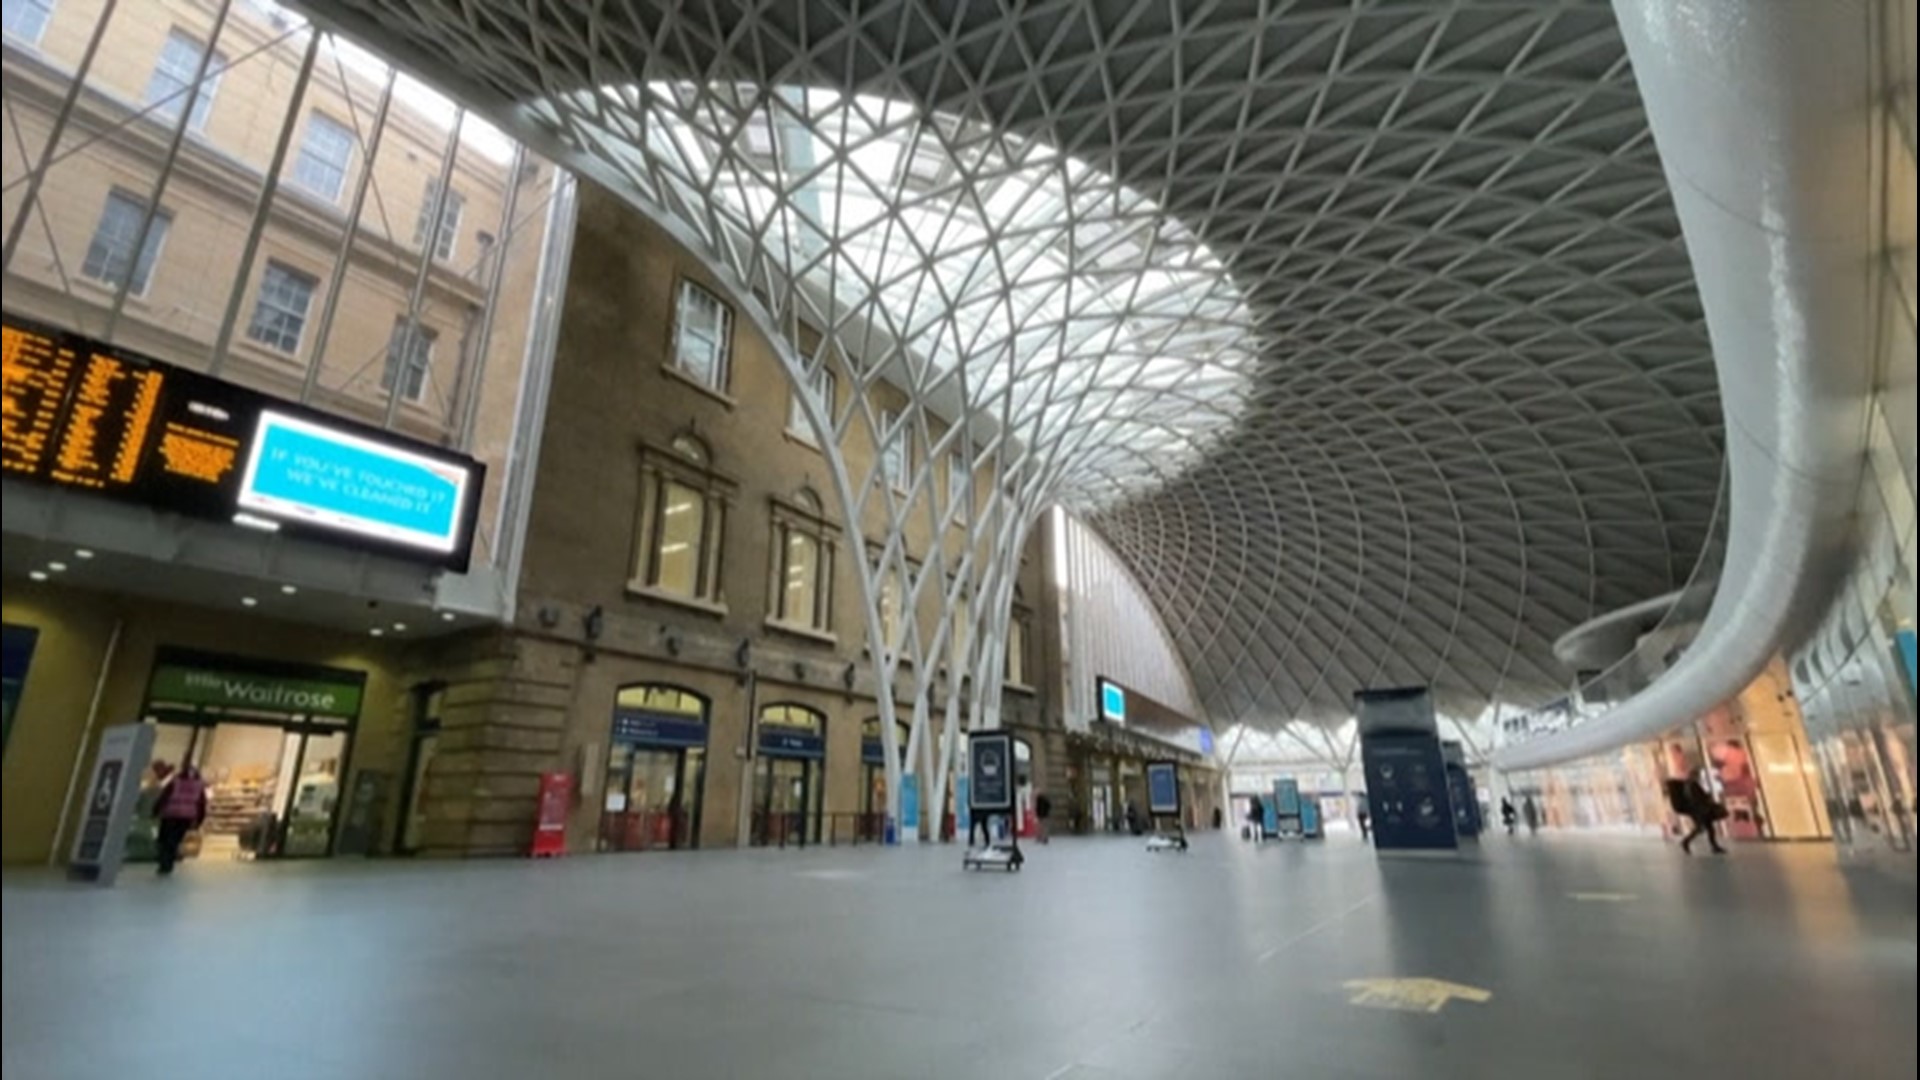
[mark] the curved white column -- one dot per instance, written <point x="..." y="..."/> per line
<point x="1764" y="117"/>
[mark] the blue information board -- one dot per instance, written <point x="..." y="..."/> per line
<point x="1407" y="792"/>
<point x="1286" y="798"/>
<point x="1163" y="788"/>
<point x="1113" y="702"/>
<point x="910" y="802"/>
<point x="336" y="479"/>
<point x="1310" y="817"/>
<point x="644" y="727"/>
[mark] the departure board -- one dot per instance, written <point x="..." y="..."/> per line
<point x="85" y="416"/>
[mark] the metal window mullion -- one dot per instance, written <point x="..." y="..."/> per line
<point x="151" y="212"/>
<point x="264" y="209"/>
<point x="18" y="226"/>
<point x="411" y="328"/>
<point x="331" y="305"/>
<point x="470" y="410"/>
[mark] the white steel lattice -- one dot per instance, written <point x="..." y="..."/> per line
<point x="1363" y="330"/>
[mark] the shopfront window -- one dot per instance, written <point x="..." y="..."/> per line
<point x="272" y="742"/>
<point x="656" y="769"/>
<point x="789" y="787"/>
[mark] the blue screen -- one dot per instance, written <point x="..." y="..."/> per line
<point x="334" y="479"/>
<point x="1113" y="702"/>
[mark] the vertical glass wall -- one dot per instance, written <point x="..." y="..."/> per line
<point x="214" y="183"/>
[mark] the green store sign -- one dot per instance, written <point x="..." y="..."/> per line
<point x="176" y="685"/>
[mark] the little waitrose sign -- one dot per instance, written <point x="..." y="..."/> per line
<point x="247" y="690"/>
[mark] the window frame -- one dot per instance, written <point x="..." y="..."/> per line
<point x="827" y="387"/>
<point x="137" y="281"/>
<point x="791" y="518"/>
<point x="1021" y="621"/>
<point x="303" y="158"/>
<point x="959" y="475"/>
<point x="449" y="233"/>
<point x="659" y="466"/>
<point x="893" y="436"/>
<point x="43" y="9"/>
<point x="166" y="106"/>
<point x="390" y="368"/>
<point x="261" y="304"/>
<point x="684" y="288"/>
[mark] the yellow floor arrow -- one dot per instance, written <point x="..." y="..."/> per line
<point x="1412" y="995"/>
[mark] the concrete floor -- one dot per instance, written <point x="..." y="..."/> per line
<point x="1604" y="957"/>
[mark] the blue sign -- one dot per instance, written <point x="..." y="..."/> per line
<point x="1113" y="702"/>
<point x="779" y="740"/>
<point x="1206" y="740"/>
<point x="644" y="728"/>
<point x="872" y="753"/>
<point x="1310" y="817"/>
<point x="301" y="470"/>
<point x="1269" y="821"/>
<point x="910" y="802"/>
<point x="1163" y="788"/>
<point x="16" y="658"/>
<point x="1407" y="792"/>
<point x="962" y="813"/>
<point x="1286" y="798"/>
<point x="1907" y="650"/>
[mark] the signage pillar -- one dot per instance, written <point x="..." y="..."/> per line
<point x="113" y="791"/>
<point x="1407" y="789"/>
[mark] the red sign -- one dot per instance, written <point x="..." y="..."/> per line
<point x="550" y="829"/>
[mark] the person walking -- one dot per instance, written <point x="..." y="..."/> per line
<point x="1705" y="812"/>
<point x="1042" y="807"/>
<point x="1256" y="820"/>
<point x="1366" y="825"/>
<point x="1531" y="813"/>
<point x="181" y="808"/>
<point x="1508" y="815"/>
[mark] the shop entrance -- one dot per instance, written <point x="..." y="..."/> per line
<point x="656" y="770"/>
<point x="789" y="776"/>
<point x="272" y="742"/>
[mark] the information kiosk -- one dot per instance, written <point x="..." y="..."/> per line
<point x="1163" y="807"/>
<point x="990" y="796"/>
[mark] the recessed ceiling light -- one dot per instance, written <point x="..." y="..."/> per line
<point x="83" y="553"/>
<point x="399" y="627"/>
<point x="38" y="575"/>
<point x="289" y="589"/>
<point x="376" y="631"/>
<point x="446" y="616"/>
<point x="249" y="601"/>
<point x="57" y="567"/>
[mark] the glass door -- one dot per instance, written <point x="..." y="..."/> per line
<point x="313" y="790"/>
<point x="173" y="746"/>
<point x="786" y="789"/>
<point x="413" y="830"/>
<point x="653" y="799"/>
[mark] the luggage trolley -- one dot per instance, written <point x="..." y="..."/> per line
<point x="1163" y="805"/>
<point x="990" y="794"/>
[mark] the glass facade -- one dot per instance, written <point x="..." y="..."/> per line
<point x="233" y="192"/>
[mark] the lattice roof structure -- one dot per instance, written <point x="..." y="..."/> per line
<point x="1364" y="332"/>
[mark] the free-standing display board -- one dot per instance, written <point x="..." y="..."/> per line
<point x="1163" y="789"/>
<point x="1406" y="772"/>
<point x="113" y="790"/>
<point x="990" y="774"/>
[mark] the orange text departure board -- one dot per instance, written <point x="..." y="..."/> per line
<point x="86" y="416"/>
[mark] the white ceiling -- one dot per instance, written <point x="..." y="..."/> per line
<point x="1480" y="407"/>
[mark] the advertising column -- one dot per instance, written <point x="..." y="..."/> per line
<point x="112" y="790"/>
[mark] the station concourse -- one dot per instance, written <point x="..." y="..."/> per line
<point x="1076" y="539"/>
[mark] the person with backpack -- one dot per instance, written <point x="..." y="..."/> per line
<point x="181" y="808"/>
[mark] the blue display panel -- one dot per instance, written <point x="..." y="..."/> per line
<point x="89" y="417"/>
<point x="1163" y="788"/>
<point x="333" y="479"/>
<point x="643" y="727"/>
<point x="1113" y="702"/>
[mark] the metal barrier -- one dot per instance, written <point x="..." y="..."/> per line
<point x="783" y="829"/>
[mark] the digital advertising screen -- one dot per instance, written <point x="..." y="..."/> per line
<point x="82" y="415"/>
<point x="1113" y="701"/>
<point x="1163" y="788"/>
<point x="990" y="772"/>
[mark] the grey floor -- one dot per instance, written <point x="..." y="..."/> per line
<point x="1606" y="957"/>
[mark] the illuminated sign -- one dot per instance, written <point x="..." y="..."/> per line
<point x="80" y="414"/>
<point x="1113" y="702"/>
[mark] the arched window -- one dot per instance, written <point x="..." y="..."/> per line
<point x="801" y="592"/>
<point x="656" y="769"/>
<point x="681" y="523"/>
